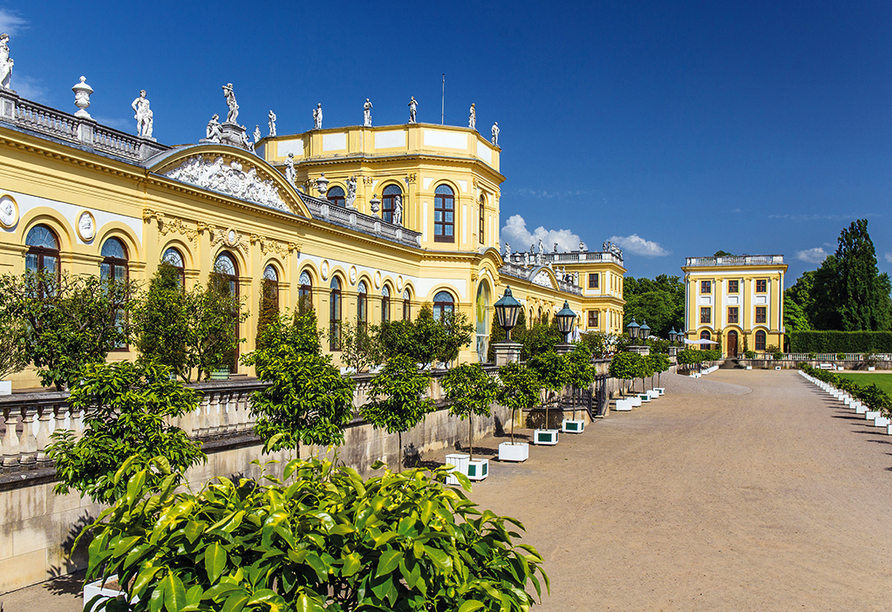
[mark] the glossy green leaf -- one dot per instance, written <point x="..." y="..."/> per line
<point x="215" y="558"/>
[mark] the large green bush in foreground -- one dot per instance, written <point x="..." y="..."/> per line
<point x="321" y="539"/>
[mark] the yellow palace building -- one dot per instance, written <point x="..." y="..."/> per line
<point x="737" y="301"/>
<point x="368" y="223"/>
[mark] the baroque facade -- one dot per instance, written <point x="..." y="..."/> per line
<point x="365" y="222"/>
<point x="737" y="301"/>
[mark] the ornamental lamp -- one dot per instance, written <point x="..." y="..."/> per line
<point x="673" y="335"/>
<point x="565" y="318"/>
<point x="644" y="330"/>
<point x="632" y="329"/>
<point x="507" y="312"/>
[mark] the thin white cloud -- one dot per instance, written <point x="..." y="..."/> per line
<point x="11" y="23"/>
<point x="124" y="125"/>
<point x="637" y="245"/>
<point x="516" y="234"/>
<point x="888" y="257"/>
<point x="543" y="194"/>
<point x="812" y="256"/>
<point x="29" y="88"/>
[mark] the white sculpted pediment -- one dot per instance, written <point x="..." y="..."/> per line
<point x="543" y="279"/>
<point x="229" y="178"/>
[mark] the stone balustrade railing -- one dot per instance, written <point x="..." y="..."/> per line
<point x="518" y="271"/>
<point x="47" y="121"/>
<point x="369" y="224"/>
<point x="570" y="257"/>
<point x="735" y="260"/>
<point x="27" y="420"/>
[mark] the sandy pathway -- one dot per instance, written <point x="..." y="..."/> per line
<point x="758" y="495"/>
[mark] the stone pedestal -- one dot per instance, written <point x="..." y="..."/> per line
<point x="233" y="134"/>
<point x="641" y="350"/>
<point x="507" y="352"/>
<point x="8" y="101"/>
<point x="563" y="348"/>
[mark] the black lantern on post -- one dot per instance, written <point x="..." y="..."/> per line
<point x="565" y="318"/>
<point x="632" y="329"/>
<point x="507" y="312"/>
<point x="643" y="331"/>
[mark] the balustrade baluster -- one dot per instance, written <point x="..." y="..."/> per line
<point x="11" y="446"/>
<point x="28" y="441"/>
<point x="42" y="437"/>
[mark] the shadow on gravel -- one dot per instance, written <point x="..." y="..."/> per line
<point x="847" y="417"/>
<point x="879" y="441"/>
<point x="68" y="584"/>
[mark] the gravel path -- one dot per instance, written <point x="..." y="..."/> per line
<point x="758" y="494"/>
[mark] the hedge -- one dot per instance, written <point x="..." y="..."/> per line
<point x="840" y="342"/>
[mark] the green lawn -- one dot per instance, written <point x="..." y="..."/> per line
<point x="880" y="379"/>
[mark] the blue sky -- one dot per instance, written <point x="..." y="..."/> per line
<point x="673" y="128"/>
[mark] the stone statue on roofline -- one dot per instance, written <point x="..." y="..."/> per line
<point x="495" y="133"/>
<point x="317" y="117"/>
<point x="257" y="134"/>
<point x="143" y="115"/>
<point x="290" y="175"/>
<point x="397" y="210"/>
<point x="214" y="131"/>
<point x="351" y="192"/>
<point x="413" y="108"/>
<point x="6" y="62"/>
<point x="232" y="114"/>
<point x="472" y="119"/>
<point x="367" y="113"/>
<point x="272" y="124"/>
<point x="507" y="252"/>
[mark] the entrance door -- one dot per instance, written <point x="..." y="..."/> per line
<point x="732" y="344"/>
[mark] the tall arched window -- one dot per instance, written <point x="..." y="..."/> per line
<point x="482" y="221"/>
<point x="443" y="303"/>
<point x="705" y="335"/>
<point x="271" y="286"/>
<point x="225" y="265"/>
<point x="407" y="305"/>
<point x="43" y="254"/>
<point x="444" y="214"/>
<point x="114" y="262"/>
<point x="334" y="328"/>
<point x="388" y="201"/>
<point x="305" y="293"/>
<point x="335" y="195"/>
<point x="760" y="340"/>
<point x="362" y="304"/>
<point x="385" y="304"/>
<point x="174" y="258"/>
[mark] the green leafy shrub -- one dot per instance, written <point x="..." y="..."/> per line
<point x="398" y="401"/>
<point x="625" y="366"/>
<point x="553" y="372"/>
<point x="841" y="356"/>
<point x="750" y="354"/>
<point x="519" y="389"/>
<point x="471" y="391"/>
<point x="778" y="355"/>
<point x="307" y="400"/>
<point x="320" y="539"/>
<point x="841" y="341"/>
<point x="124" y="406"/>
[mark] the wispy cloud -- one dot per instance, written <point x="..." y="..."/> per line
<point x="29" y="88"/>
<point x="813" y="256"/>
<point x="637" y="245"/>
<point x="888" y="257"/>
<point x="515" y="233"/>
<point x="11" y="23"/>
<point x="124" y="125"/>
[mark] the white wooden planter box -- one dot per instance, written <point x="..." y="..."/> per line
<point x="889" y="430"/>
<point x="643" y="397"/>
<point x="623" y="405"/>
<point x="460" y="461"/>
<point x="653" y="393"/>
<point x="882" y="421"/>
<point x="547" y="437"/>
<point x="519" y="451"/>
<point x="93" y="589"/>
<point x="660" y="390"/>
<point x="5" y="387"/>
<point x="871" y="368"/>
<point x="871" y="414"/>
<point x="573" y="426"/>
<point x="478" y="469"/>
<point x="861" y="409"/>
<point x="749" y="367"/>
<point x="636" y="401"/>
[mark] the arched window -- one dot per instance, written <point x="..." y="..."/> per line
<point x="444" y="214"/>
<point x="385" y="304"/>
<point x="388" y="201"/>
<point x="482" y="222"/>
<point x="227" y="268"/>
<point x="443" y="303"/>
<point x="407" y="305"/>
<point x="705" y="335"/>
<point x="305" y="293"/>
<point x="174" y="258"/>
<point x="271" y="286"/>
<point x="760" y="340"/>
<point x="335" y="195"/>
<point x="334" y="329"/>
<point x="114" y="262"/>
<point x="362" y="304"/>
<point x="43" y="254"/>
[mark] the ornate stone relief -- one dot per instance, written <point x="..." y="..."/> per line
<point x="229" y="178"/>
<point x="543" y="280"/>
<point x="277" y="247"/>
<point x="229" y="237"/>
<point x="173" y="225"/>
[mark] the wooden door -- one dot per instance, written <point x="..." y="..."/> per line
<point x="732" y="344"/>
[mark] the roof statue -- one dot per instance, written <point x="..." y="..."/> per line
<point x="495" y="133"/>
<point x="232" y="114"/>
<point x="472" y="119"/>
<point x="413" y="107"/>
<point x="272" y="124"/>
<point x="6" y="62"/>
<point x="214" y="132"/>
<point x="351" y="192"/>
<point x="367" y="113"/>
<point x="290" y="175"/>
<point x="317" y="117"/>
<point x="143" y="115"/>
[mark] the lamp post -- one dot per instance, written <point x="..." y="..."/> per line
<point x="507" y="313"/>
<point x="565" y="318"/>
<point x="634" y="331"/>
